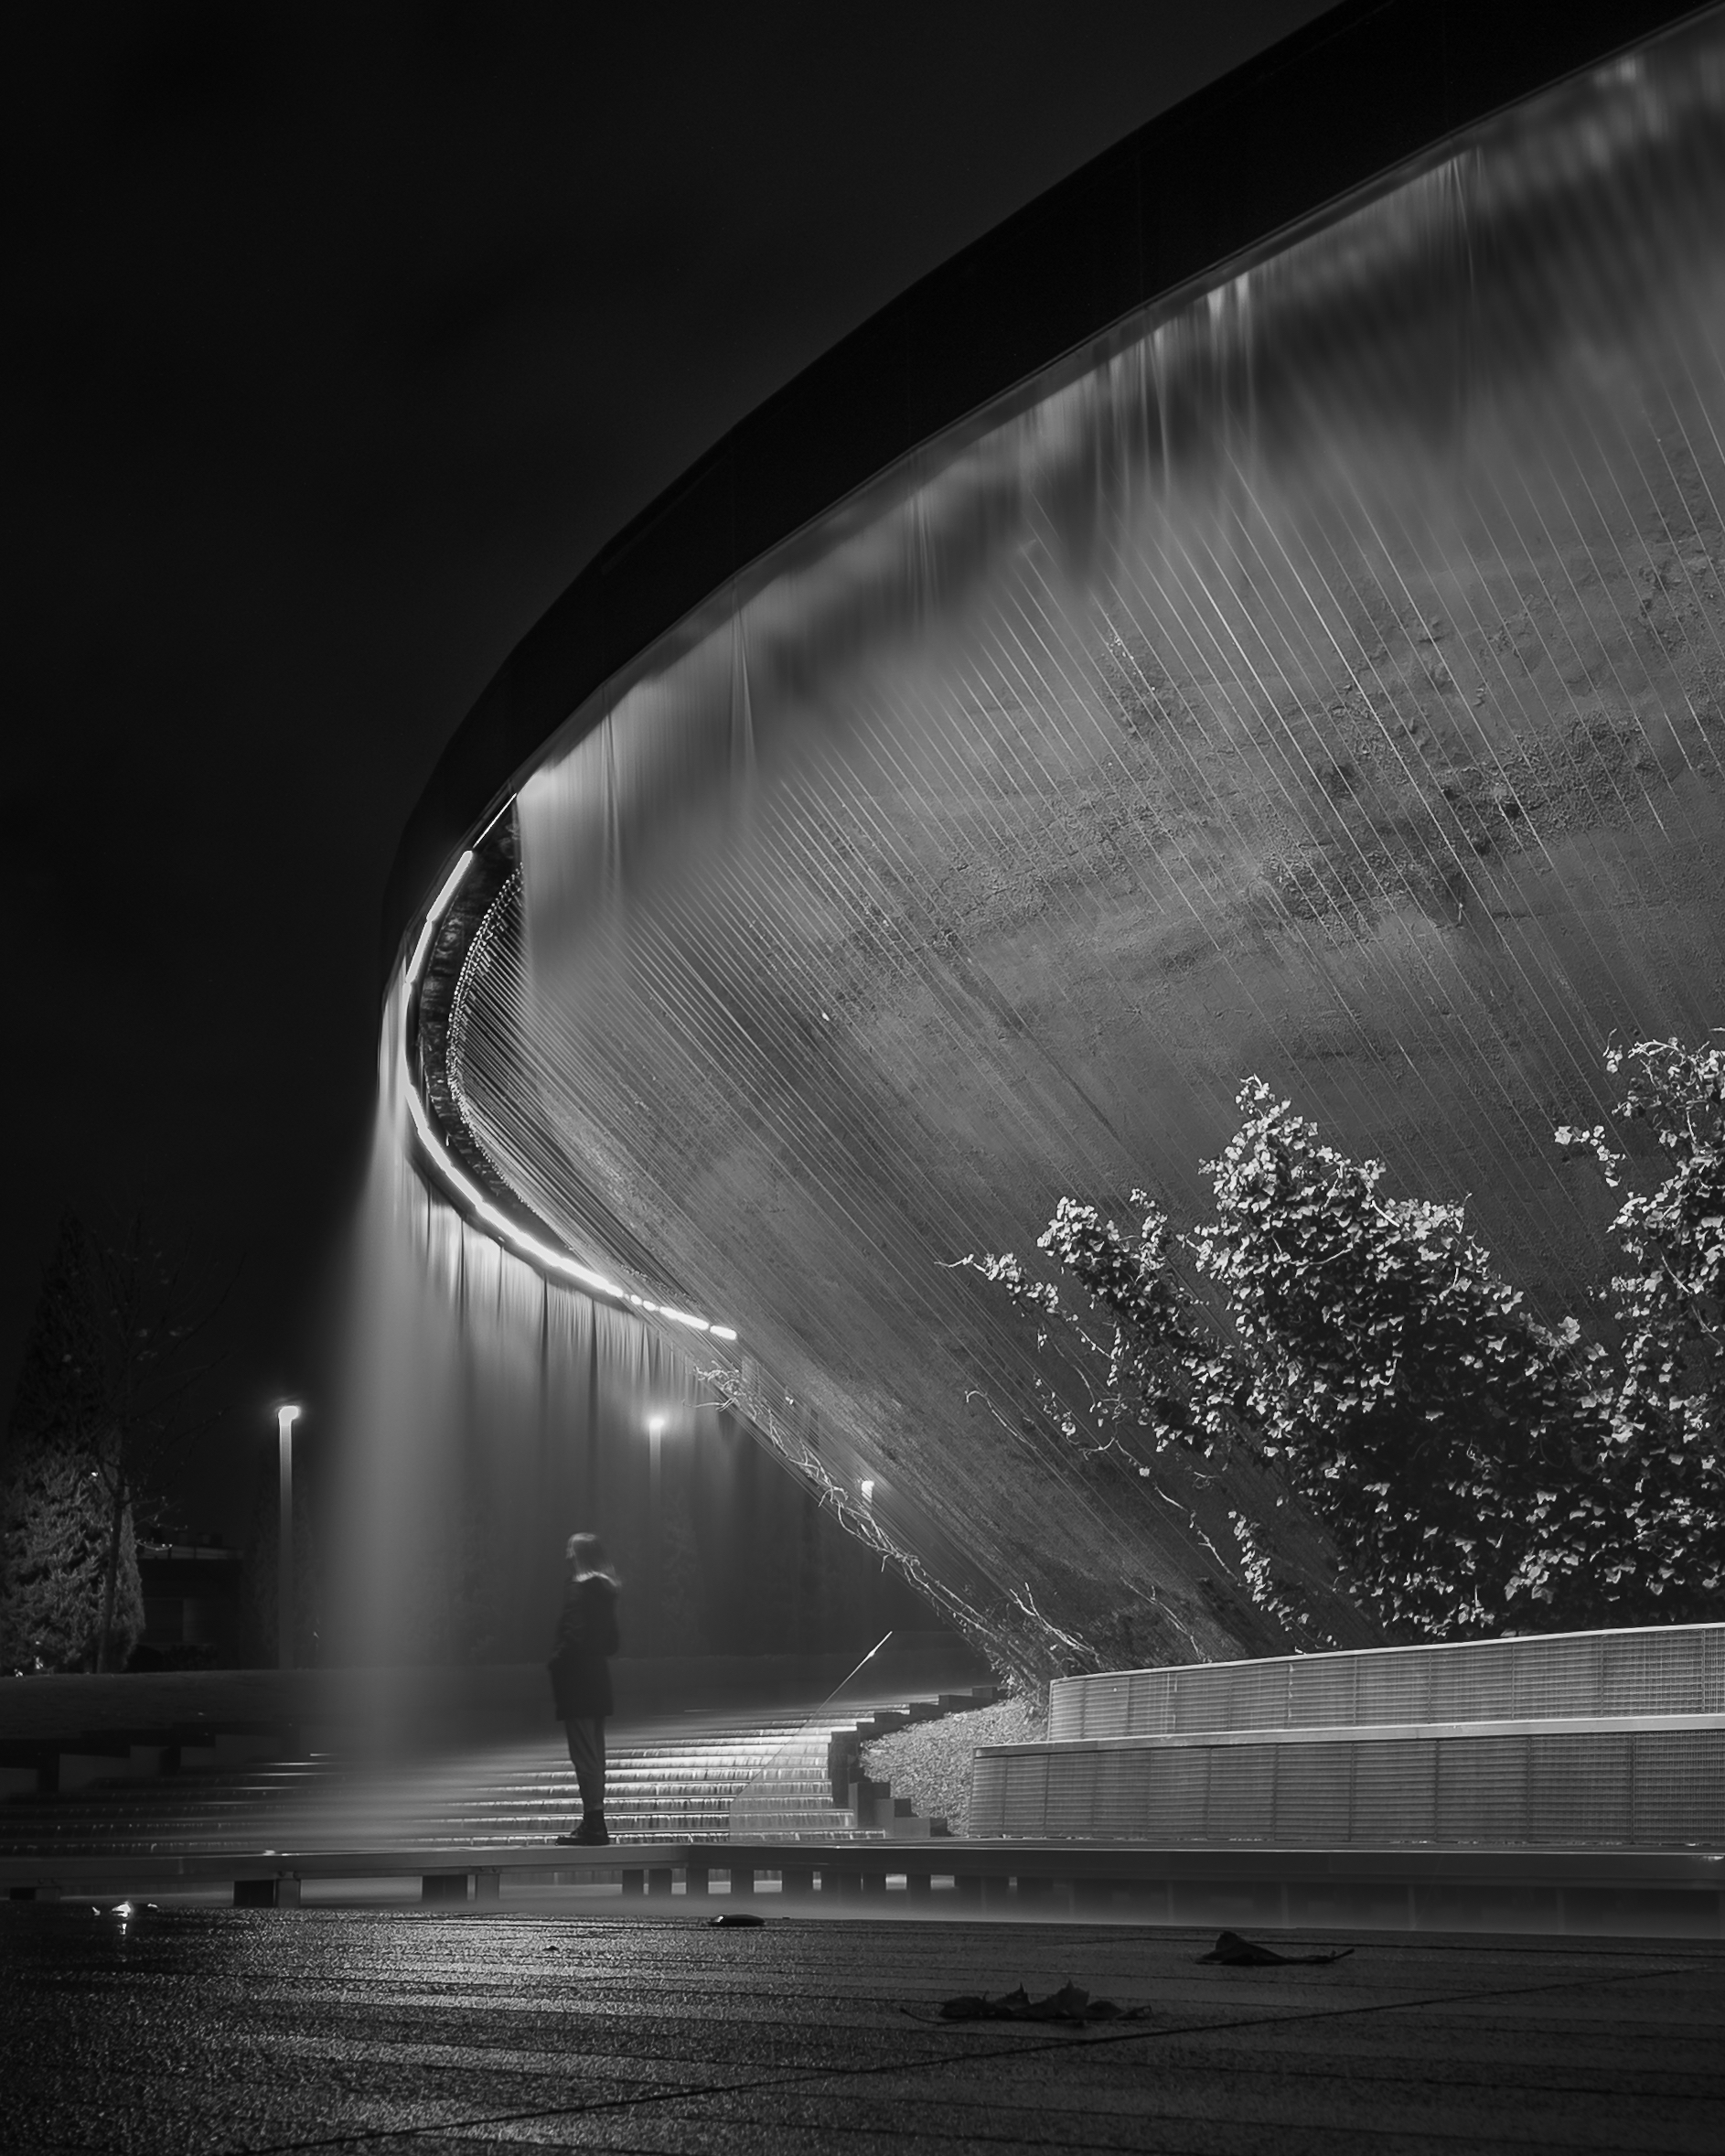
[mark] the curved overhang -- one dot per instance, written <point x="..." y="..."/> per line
<point x="1346" y="105"/>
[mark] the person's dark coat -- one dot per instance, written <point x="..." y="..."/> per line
<point x="587" y="1634"/>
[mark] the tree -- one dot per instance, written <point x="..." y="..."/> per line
<point x="55" y="1533"/>
<point x="1449" y="1440"/>
<point x="112" y="1359"/>
<point x="1156" y="1380"/>
<point x="1664" y="1547"/>
<point x="1157" y="1391"/>
<point x="1474" y="1468"/>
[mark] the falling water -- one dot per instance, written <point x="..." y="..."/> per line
<point x="487" y="1414"/>
<point x="1326" y="679"/>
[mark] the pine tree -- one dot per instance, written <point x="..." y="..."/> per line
<point x="108" y="1368"/>
<point x="54" y="1542"/>
<point x="69" y="1591"/>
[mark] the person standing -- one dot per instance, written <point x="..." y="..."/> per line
<point x="581" y="1676"/>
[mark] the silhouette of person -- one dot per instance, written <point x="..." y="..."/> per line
<point x="581" y="1676"/>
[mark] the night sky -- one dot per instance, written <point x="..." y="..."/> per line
<point x="340" y="339"/>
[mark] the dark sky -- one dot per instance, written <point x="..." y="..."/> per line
<point x="340" y="339"/>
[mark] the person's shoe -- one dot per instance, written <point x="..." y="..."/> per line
<point x="570" y="1839"/>
<point x="591" y="1832"/>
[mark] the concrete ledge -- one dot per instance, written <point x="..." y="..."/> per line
<point x="1576" y="1892"/>
<point x="62" y="1764"/>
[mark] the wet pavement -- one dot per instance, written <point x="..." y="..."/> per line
<point x="201" y="2030"/>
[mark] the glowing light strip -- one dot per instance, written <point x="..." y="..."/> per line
<point x="434" y="918"/>
<point x="529" y="1247"/>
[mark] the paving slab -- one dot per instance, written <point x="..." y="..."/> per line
<point x="197" y="2031"/>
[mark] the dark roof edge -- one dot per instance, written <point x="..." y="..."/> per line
<point x="1349" y="98"/>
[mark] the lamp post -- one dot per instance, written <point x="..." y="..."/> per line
<point x="285" y="1418"/>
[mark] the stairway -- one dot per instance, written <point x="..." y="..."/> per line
<point x="693" y="1778"/>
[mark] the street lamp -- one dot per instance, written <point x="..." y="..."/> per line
<point x="285" y="1418"/>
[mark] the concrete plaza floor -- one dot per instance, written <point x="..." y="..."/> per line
<point x="198" y="2030"/>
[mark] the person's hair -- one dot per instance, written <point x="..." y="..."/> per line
<point x="585" y="1553"/>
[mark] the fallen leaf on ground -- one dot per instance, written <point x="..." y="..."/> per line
<point x="1072" y="2002"/>
<point x="1235" y="1952"/>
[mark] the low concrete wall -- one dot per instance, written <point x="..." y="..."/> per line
<point x="438" y="1704"/>
<point x="34" y="1708"/>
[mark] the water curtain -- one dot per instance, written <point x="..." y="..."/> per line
<point x="1323" y="679"/>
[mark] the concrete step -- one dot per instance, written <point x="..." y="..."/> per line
<point x="1655" y="1784"/>
<point x="778" y="1775"/>
<point x="683" y="1788"/>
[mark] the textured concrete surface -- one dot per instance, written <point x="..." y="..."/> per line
<point x="203" y="2031"/>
